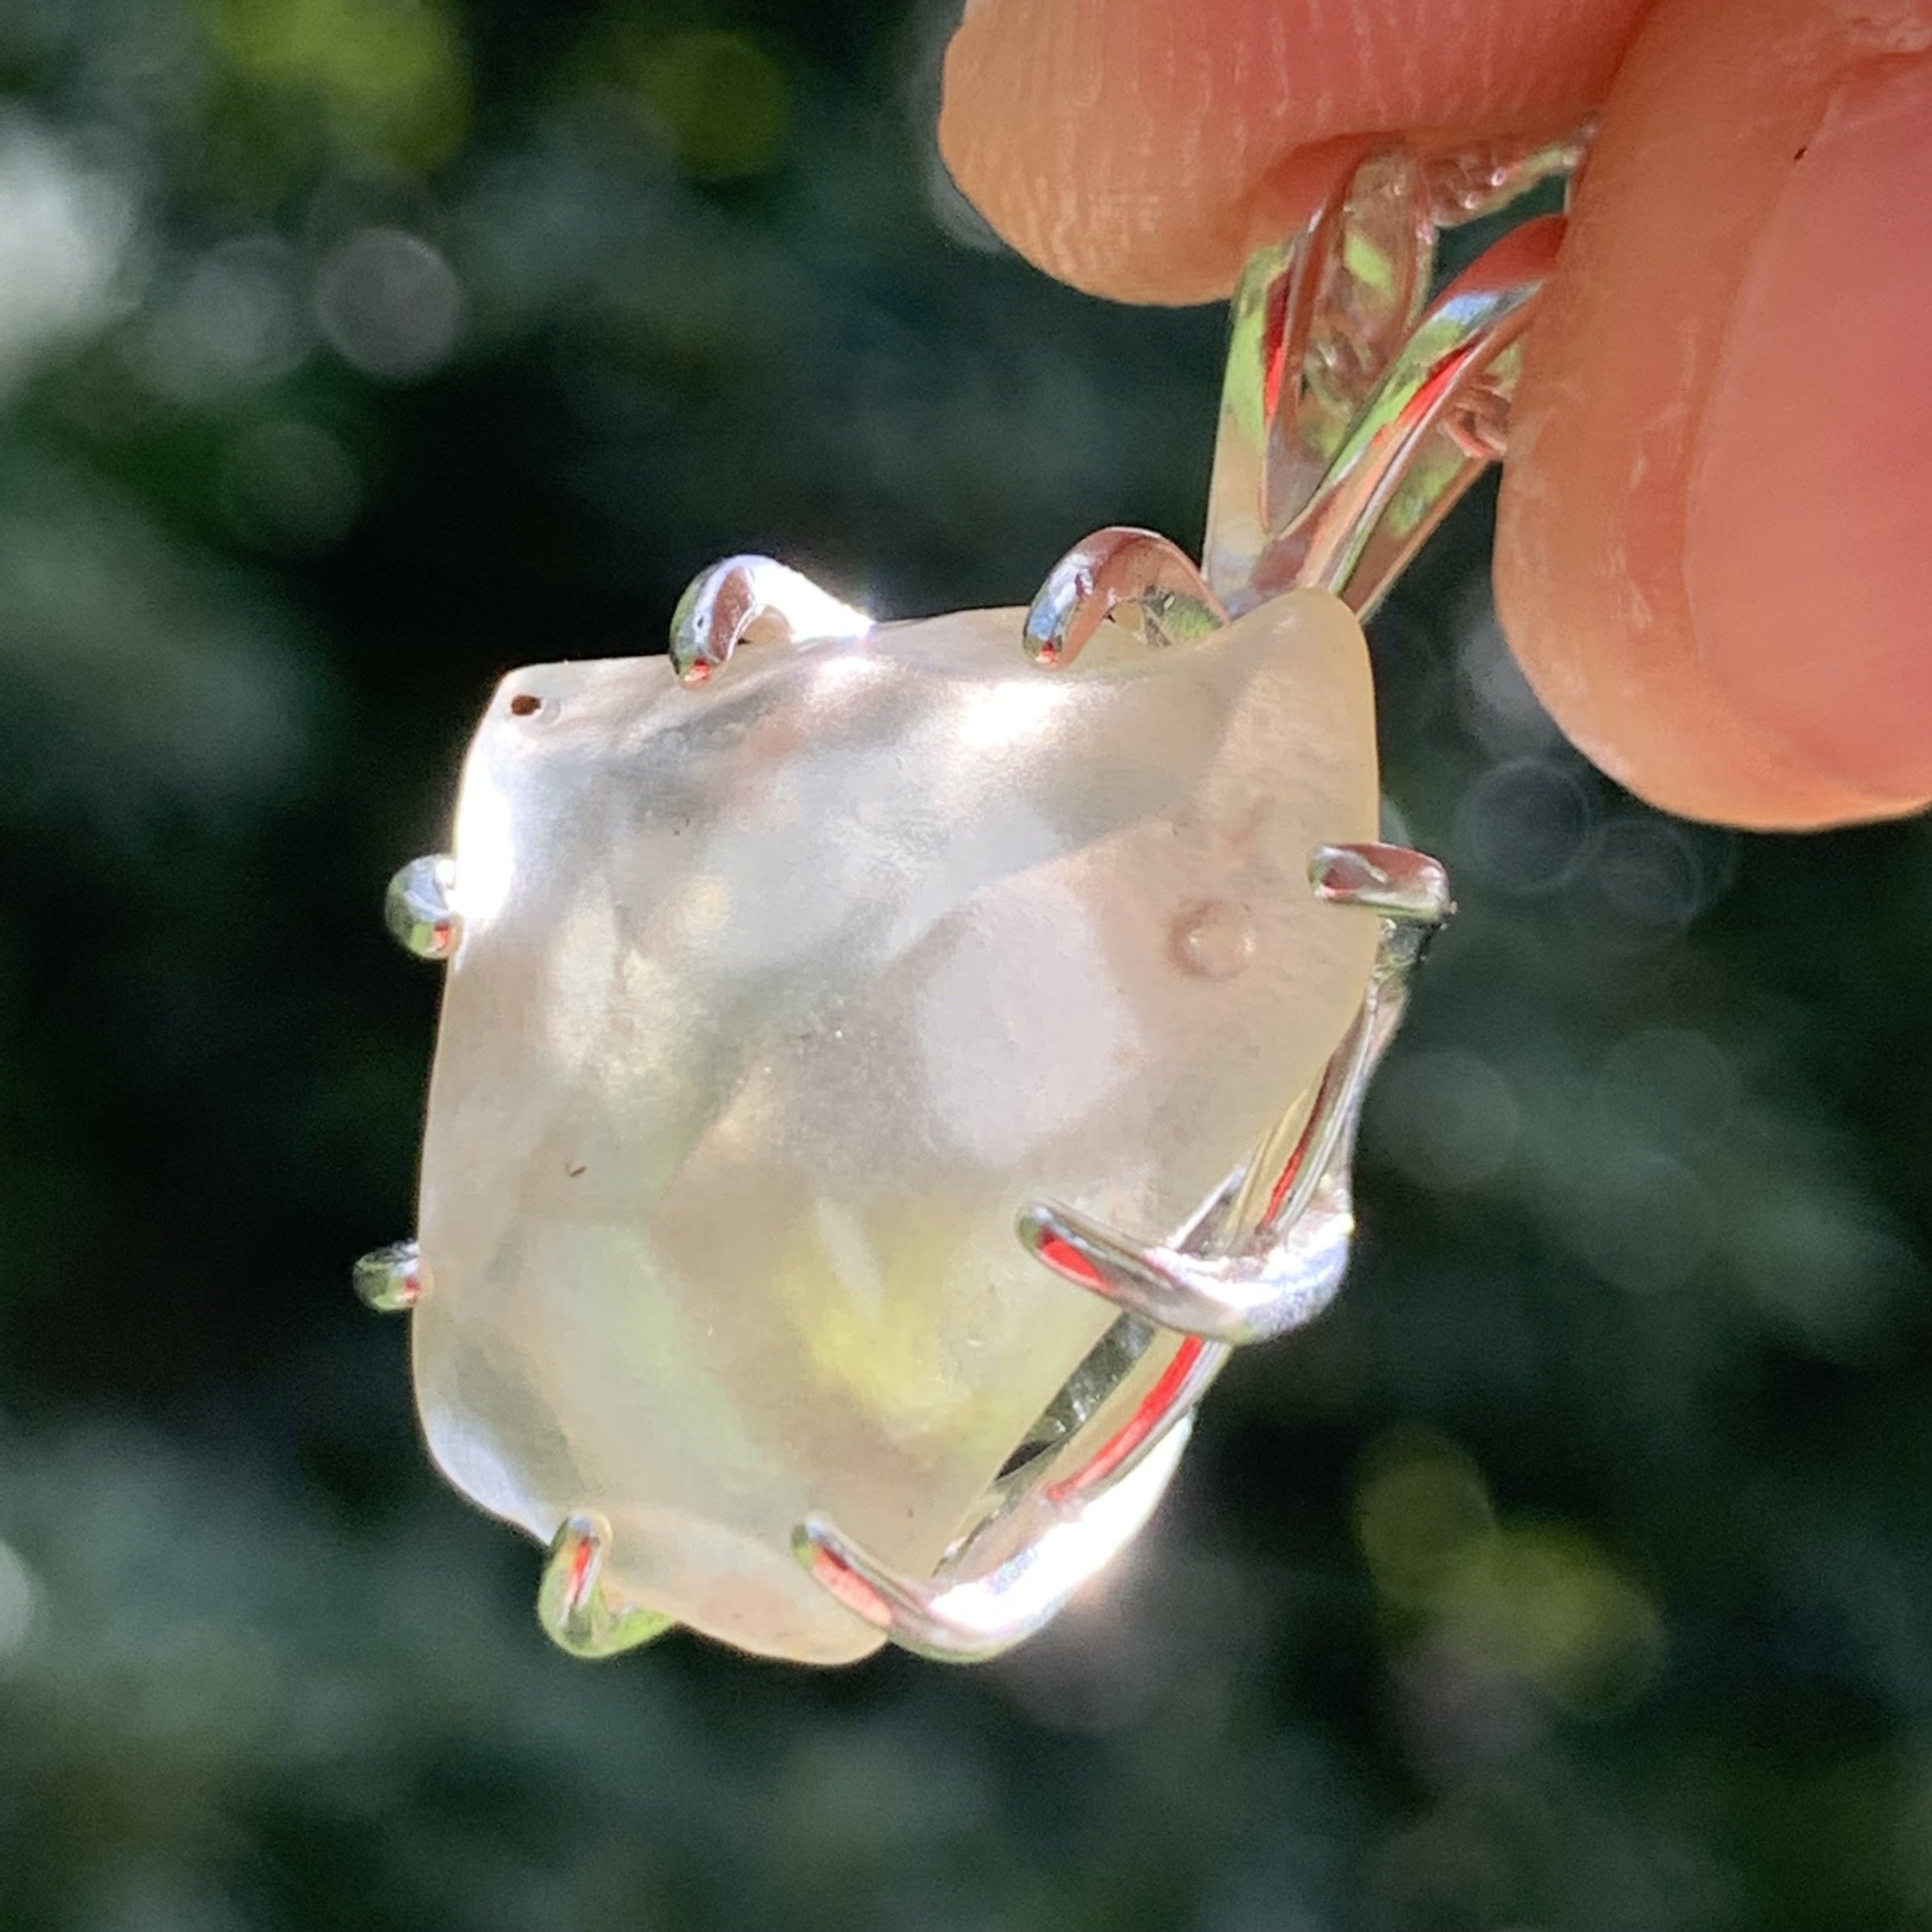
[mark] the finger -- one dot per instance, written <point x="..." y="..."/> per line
<point x="1713" y="554"/>
<point x="1140" y="148"/>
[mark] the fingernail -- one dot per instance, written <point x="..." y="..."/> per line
<point x="1808" y="537"/>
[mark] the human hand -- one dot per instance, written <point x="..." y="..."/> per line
<point x="1714" y="551"/>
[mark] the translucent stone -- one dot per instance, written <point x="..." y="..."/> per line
<point x="775" y="1001"/>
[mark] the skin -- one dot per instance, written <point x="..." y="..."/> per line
<point x="1714" y="555"/>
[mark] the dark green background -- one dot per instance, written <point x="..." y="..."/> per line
<point x="1574" y="1572"/>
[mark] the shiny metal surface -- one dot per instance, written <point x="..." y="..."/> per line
<point x="1317" y="318"/>
<point x="755" y="599"/>
<point x="1234" y="1286"/>
<point x="1433" y="425"/>
<point x="969" y="1612"/>
<point x="389" y="1280"/>
<point x="419" y="908"/>
<point x="1354" y="412"/>
<point x="1473" y="182"/>
<point x="1143" y="582"/>
<point x="575" y="1603"/>
<point x="1391" y="880"/>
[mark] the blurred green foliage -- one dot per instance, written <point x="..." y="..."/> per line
<point x="1574" y="1573"/>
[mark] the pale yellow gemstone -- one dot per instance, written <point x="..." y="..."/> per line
<point x="777" y="999"/>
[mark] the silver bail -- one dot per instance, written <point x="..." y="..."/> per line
<point x="1356" y="407"/>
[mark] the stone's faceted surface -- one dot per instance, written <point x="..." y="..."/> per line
<point x="774" y="1003"/>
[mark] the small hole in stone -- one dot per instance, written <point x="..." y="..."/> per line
<point x="524" y="704"/>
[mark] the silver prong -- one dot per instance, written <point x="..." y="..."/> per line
<point x="1132" y="575"/>
<point x="1287" y="1267"/>
<point x="1152" y="1281"/>
<point x="1390" y="880"/>
<point x="573" y="1605"/>
<point x="1249" y="1296"/>
<point x="965" y="1619"/>
<point x="752" y="598"/>
<point x="389" y="1280"/>
<point x="420" y="907"/>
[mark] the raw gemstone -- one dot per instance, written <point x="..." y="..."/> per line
<point x="774" y="1002"/>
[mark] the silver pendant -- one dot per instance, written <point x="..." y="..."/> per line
<point x="884" y="1069"/>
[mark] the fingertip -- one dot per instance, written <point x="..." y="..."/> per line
<point x="1686" y="541"/>
<point x="1136" y="148"/>
<point x="1069" y="124"/>
<point x="1806" y="564"/>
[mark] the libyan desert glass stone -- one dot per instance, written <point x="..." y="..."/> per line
<point x="777" y="998"/>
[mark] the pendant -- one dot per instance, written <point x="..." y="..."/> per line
<point x="884" y="1068"/>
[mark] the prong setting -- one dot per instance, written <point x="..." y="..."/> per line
<point x="753" y="599"/>
<point x="1231" y="1287"/>
<point x="1041" y="1535"/>
<point x="1134" y="576"/>
<point x="390" y="1280"/>
<point x="575" y="1606"/>
<point x="1232" y="1299"/>
<point x="419" y="908"/>
<point x="1015" y="1568"/>
<point x="971" y="1612"/>
<point x="1390" y="880"/>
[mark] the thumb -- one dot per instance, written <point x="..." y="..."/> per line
<point x="1712" y="554"/>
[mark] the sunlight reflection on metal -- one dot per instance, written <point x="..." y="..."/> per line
<point x="967" y="1617"/>
<point x="1279" y="1278"/>
<point x="420" y="907"/>
<point x="1236" y="1284"/>
<point x="1351" y="420"/>
<point x="1482" y="179"/>
<point x="1317" y="318"/>
<point x="1143" y="582"/>
<point x="1165" y="1405"/>
<point x="573" y="1606"/>
<point x="389" y="1280"/>
<point x="1391" y="880"/>
<point x="755" y="599"/>
<point x="1411" y="454"/>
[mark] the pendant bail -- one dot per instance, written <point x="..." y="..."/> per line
<point x="1355" y="410"/>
